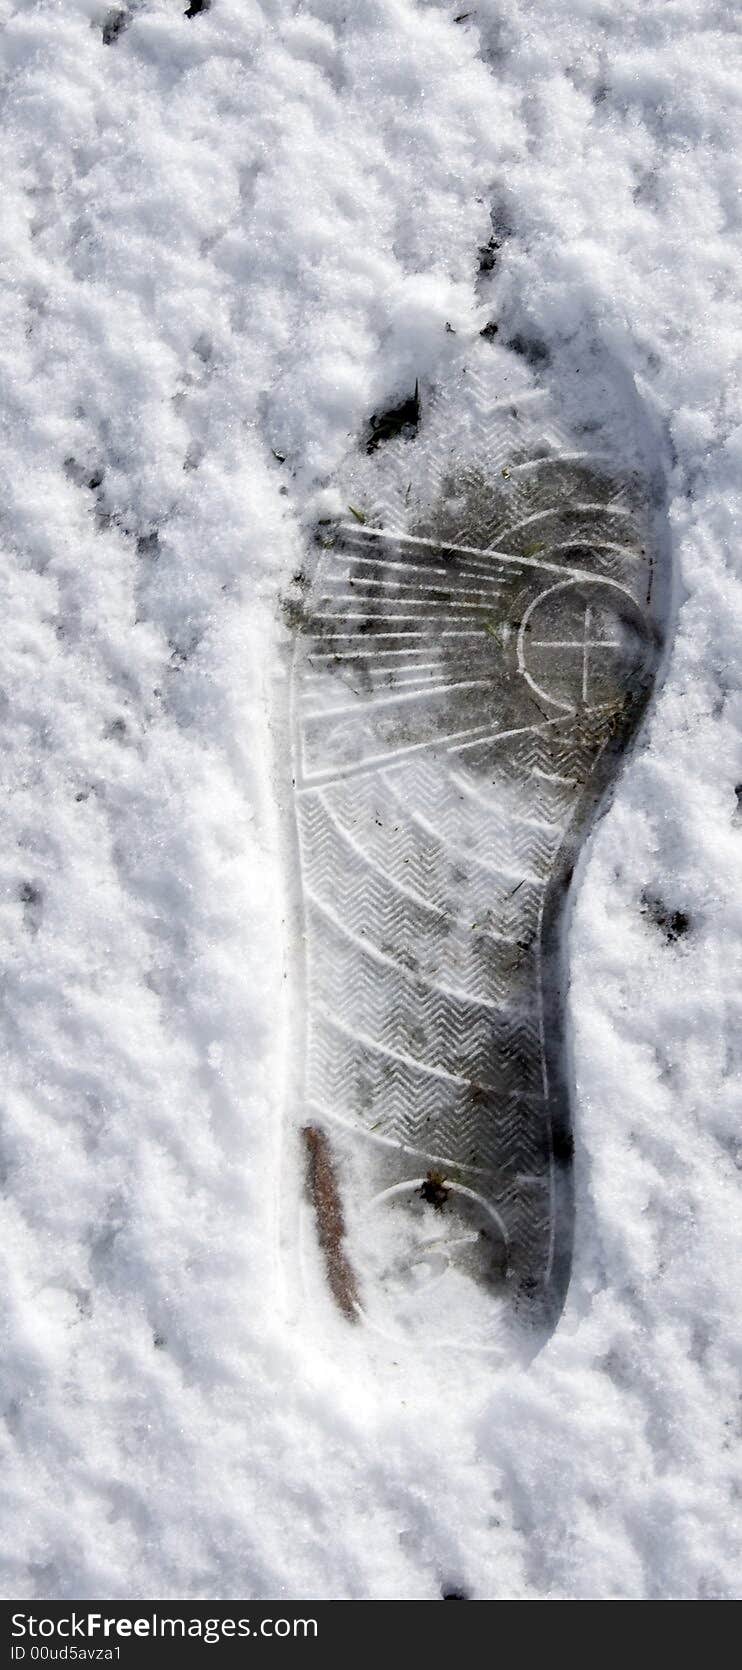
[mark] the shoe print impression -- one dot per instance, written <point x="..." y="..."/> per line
<point x="473" y="652"/>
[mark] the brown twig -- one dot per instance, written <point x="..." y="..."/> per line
<point x="328" y="1208"/>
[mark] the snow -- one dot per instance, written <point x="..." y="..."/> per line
<point x="230" y="236"/>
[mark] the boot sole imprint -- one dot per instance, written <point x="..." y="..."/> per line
<point x="465" y="683"/>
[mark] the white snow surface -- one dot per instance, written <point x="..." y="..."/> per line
<point x="228" y="236"/>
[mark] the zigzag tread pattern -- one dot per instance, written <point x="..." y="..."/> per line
<point x="444" y="744"/>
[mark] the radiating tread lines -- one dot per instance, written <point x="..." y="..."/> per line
<point x="448" y="632"/>
<point x="349" y="1123"/>
<point x="411" y="1061"/>
<point x="475" y="551"/>
<point x="492" y="1132"/>
<point x="413" y="977"/>
<point x="365" y="654"/>
<point x="392" y="757"/>
<point x="387" y="877"/>
<point x="467" y="789"/>
<point x="464" y="853"/>
<point x="445" y="595"/>
<point x="318" y="684"/>
<point x="561" y="460"/>
<point x="573" y="507"/>
<point x="362" y="614"/>
<point x="491" y="575"/>
<point x="394" y="698"/>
